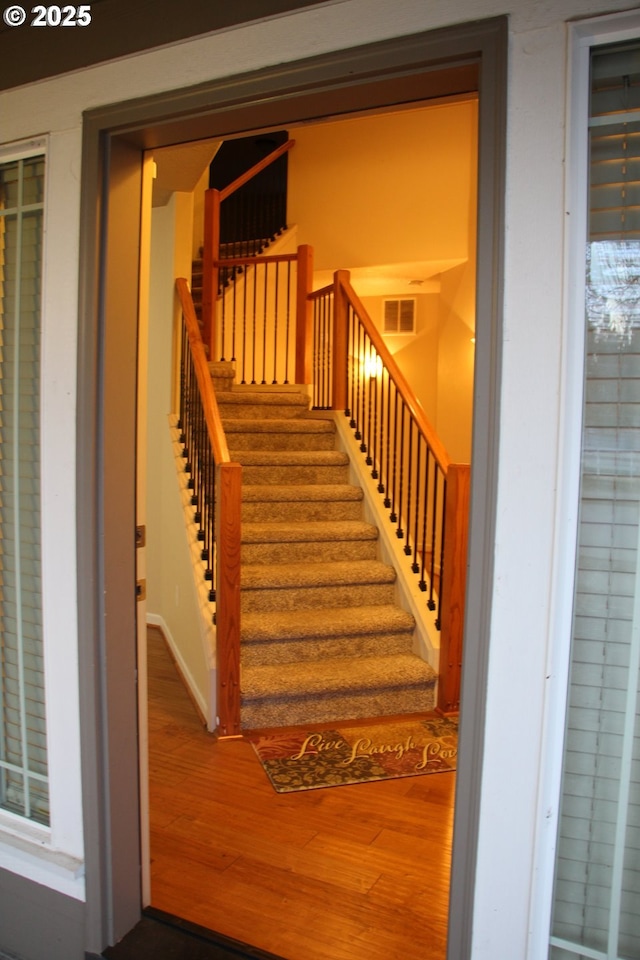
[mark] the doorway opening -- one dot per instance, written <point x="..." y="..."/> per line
<point x="393" y="165"/>
<point x="376" y="78"/>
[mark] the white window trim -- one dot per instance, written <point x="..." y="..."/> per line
<point x="582" y="36"/>
<point x="52" y="855"/>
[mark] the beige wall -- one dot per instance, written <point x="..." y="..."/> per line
<point x="172" y="599"/>
<point x="396" y="194"/>
<point x="417" y="356"/>
<point x="384" y="189"/>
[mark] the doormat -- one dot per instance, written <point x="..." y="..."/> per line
<point x="309" y="760"/>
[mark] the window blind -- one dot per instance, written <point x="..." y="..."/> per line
<point x="23" y="750"/>
<point x="597" y="882"/>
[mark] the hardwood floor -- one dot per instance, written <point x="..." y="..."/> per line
<point x="345" y="873"/>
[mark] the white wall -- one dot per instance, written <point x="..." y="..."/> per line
<point x="532" y="403"/>
<point x="173" y="600"/>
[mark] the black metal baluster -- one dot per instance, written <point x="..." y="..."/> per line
<point x="326" y="349"/>
<point x="438" y="620"/>
<point x="183" y="357"/>
<point x="322" y="399"/>
<point x="187" y="452"/>
<point x="415" y="565"/>
<point x="351" y="379"/>
<point x="407" y="548"/>
<point x="374" y="432"/>
<point x="244" y="329"/>
<point x="233" y="319"/>
<point x="399" y="530"/>
<point x="358" y="361"/>
<point x="264" y="324"/>
<point x="365" y="446"/>
<point x="288" y="322"/>
<point x="223" y="307"/>
<point x="425" y="510"/>
<point x="275" y="325"/>
<point x="434" y="519"/>
<point x="380" y="445"/>
<point x="314" y="357"/>
<point x="211" y="494"/>
<point x="393" y="516"/>
<point x="390" y="441"/>
<point x="253" y="323"/>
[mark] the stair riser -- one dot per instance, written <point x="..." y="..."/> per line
<point x="315" y="598"/>
<point x="323" y="551"/>
<point x="258" y="411"/>
<point x="337" y="709"/>
<point x="296" y="651"/>
<point x="301" y="510"/>
<point x="295" y="475"/>
<point x="278" y="441"/>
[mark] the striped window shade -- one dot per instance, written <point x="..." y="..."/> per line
<point x="23" y="749"/>
<point x="597" y="881"/>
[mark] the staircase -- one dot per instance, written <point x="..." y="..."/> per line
<point x="322" y="637"/>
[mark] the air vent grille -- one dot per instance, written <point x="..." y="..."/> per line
<point x="400" y="315"/>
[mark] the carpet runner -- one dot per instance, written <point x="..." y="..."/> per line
<point x="322" y="637"/>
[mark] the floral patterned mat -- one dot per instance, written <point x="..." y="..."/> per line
<point x="312" y="759"/>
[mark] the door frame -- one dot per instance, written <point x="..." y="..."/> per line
<point x="409" y="69"/>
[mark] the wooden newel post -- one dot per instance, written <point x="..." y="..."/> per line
<point x="340" y="333"/>
<point x="210" y="255"/>
<point x="454" y="586"/>
<point x="304" y="315"/>
<point x="229" y="487"/>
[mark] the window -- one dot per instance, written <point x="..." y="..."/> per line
<point x="23" y="754"/>
<point x="597" y="881"/>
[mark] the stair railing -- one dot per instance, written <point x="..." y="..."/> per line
<point x="425" y="494"/>
<point x="251" y="225"/>
<point x="215" y="485"/>
<point x="261" y="317"/>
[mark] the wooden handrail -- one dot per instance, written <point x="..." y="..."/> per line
<point x="201" y="365"/>
<point x="412" y="403"/>
<point x="255" y="169"/>
<point x="252" y="261"/>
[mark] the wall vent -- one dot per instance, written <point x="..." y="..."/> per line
<point x="399" y="315"/>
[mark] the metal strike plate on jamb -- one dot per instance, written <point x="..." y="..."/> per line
<point x="141" y="535"/>
<point x="141" y="589"/>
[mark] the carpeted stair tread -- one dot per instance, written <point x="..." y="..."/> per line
<point x="293" y="467"/>
<point x="266" y="398"/>
<point x="298" y="624"/>
<point x="292" y="458"/>
<point x="307" y="492"/>
<point x="312" y="531"/>
<point x="307" y="680"/>
<point x="293" y="425"/>
<point x="297" y="575"/>
<point x="246" y="404"/>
